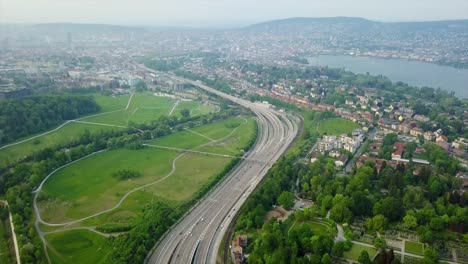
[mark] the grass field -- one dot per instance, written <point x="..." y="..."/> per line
<point x="88" y="187"/>
<point x="414" y="247"/>
<point x="144" y="107"/>
<point x="152" y="107"/>
<point x="318" y="227"/>
<point x="111" y="103"/>
<point x="66" y="134"/>
<point x="77" y="246"/>
<point x="356" y="250"/>
<point x="336" y="126"/>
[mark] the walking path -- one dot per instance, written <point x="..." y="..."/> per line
<point x="174" y="107"/>
<point x="200" y="152"/>
<point x="98" y="124"/>
<point x="402" y="252"/>
<point x="196" y="133"/>
<point x="66" y="123"/>
<point x="13" y="233"/>
<point x="37" y="191"/>
<point x="89" y="228"/>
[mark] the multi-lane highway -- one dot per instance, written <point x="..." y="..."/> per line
<point x="197" y="237"/>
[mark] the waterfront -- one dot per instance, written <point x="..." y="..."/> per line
<point x="411" y="72"/>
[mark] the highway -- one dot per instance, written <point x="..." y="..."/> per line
<point x="197" y="237"/>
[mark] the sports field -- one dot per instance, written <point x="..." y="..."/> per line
<point x="336" y="126"/>
<point x="89" y="187"/>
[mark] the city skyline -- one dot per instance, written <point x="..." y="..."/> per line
<point x="221" y="13"/>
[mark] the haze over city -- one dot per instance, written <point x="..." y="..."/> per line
<point x="220" y="13"/>
<point x="233" y="131"/>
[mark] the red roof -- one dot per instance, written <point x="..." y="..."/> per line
<point x="398" y="147"/>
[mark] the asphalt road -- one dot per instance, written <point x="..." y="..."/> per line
<point x="197" y="237"/>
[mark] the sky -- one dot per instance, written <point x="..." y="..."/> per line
<point x="219" y="13"/>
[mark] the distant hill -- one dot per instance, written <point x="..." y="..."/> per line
<point x="353" y="24"/>
<point x="311" y="20"/>
<point x="83" y="28"/>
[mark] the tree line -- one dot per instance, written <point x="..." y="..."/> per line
<point x="27" y="116"/>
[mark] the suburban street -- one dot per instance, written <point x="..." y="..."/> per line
<point x="197" y="237"/>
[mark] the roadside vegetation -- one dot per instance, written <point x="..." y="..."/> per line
<point x="374" y="207"/>
<point x="24" y="173"/>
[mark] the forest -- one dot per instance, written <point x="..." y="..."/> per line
<point x="30" y="115"/>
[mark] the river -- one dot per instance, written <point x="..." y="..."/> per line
<point x="411" y="72"/>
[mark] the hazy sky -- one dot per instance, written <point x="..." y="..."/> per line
<point x="222" y="12"/>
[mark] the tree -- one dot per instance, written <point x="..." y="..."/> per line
<point x="430" y="255"/>
<point x="286" y="199"/>
<point x="379" y="242"/>
<point x="326" y="259"/>
<point x="376" y="223"/>
<point x="185" y="113"/>
<point x="364" y="258"/>
<point x="338" y="249"/>
<point x="341" y="213"/>
<point x="410" y="221"/>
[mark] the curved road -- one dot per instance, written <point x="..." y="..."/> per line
<point x="197" y="237"/>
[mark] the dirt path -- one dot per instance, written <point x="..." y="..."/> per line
<point x="37" y="191"/>
<point x="13" y="233"/>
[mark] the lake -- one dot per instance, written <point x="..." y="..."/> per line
<point x="411" y="72"/>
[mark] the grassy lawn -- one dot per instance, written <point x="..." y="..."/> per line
<point x="88" y="187"/>
<point x="232" y="145"/>
<point x="414" y="247"/>
<point x="336" y="126"/>
<point x="144" y="107"/>
<point x="356" y="250"/>
<point x="152" y="107"/>
<point x="111" y="103"/>
<point x="235" y="143"/>
<point x="193" y="172"/>
<point x="182" y="139"/>
<point x="317" y="226"/>
<point x="66" y="134"/>
<point x="78" y="246"/>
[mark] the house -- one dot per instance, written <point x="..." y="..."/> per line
<point x="460" y="143"/>
<point x="374" y="148"/>
<point x="341" y="160"/>
<point x="237" y="251"/>
<point x="429" y="136"/>
<point x="398" y="149"/>
<point x="416" y="131"/>
<point x="378" y="162"/>
<point x="421" y="118"/>
<point x="441" y="138"/>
